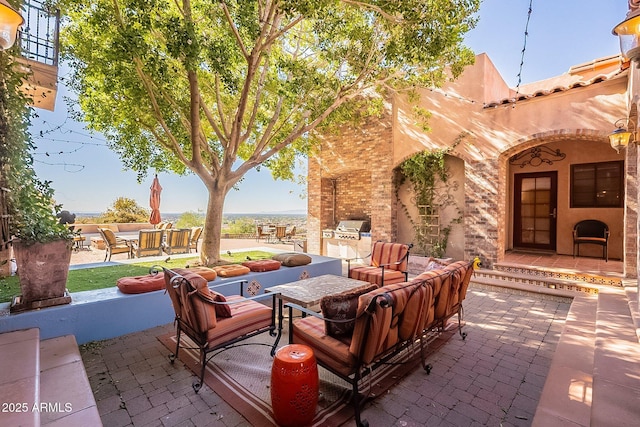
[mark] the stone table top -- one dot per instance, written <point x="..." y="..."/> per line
<point x="309" y="292"/>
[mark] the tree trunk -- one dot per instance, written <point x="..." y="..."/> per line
<point x="212" y="232"/>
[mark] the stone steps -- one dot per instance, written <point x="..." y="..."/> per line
<point x="594" y="377"/>
<point x="616" y="374"/>
<point x="45" y="380"/>
<point x="544" y="280"/>
<point x="562" y="274"/>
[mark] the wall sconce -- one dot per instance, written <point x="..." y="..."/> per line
<point x="10" y="20"/>
<point x="622" y="136"/>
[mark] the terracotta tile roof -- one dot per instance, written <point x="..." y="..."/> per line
<point x="578" y="76"/>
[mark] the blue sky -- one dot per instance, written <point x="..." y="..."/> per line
<point x="88" y="177"/>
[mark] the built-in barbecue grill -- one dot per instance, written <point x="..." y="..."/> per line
<point x="351" y="229"/>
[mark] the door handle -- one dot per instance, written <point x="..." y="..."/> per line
<point x="554" y="213"/>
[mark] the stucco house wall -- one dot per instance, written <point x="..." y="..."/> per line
<point x="573" y="113"/>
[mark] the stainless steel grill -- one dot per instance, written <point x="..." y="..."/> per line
<point x="351" y="229"/>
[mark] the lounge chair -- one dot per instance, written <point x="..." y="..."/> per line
<point x="177" y="241"/>
<point x="113" y="244"/>
<point x="149" y="243"/>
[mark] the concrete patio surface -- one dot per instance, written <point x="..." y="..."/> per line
<point x="494" y="377"/>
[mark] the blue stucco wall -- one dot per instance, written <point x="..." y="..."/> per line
<point x="108" y="313"/>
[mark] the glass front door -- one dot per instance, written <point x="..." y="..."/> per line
<point x="535" y="210"/>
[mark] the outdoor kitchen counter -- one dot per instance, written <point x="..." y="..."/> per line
<point x="343" y="248"/>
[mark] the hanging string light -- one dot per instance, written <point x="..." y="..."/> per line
<point x="524" y="48"/>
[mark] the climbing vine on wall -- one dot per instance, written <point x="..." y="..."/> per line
<point x="432" y="192"/>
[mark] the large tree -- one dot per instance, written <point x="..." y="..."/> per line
<point x="217" y="88"/>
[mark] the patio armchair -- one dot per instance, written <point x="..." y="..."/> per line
<point x="262" y="232"/>
<point x="149" y="243"/>
<point x="280" y="233"/>
<point x="177" y="241"/>
<point x="212" y="321"/>
<point x="594" y="232"/>
<point x="196" y="232"/>
<point x="387" y="265"/>
<point x="291" y="233"/>
<point x="113" y="244"/>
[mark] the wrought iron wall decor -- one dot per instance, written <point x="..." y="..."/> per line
<point x="537" y="156"/>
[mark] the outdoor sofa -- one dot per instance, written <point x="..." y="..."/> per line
<point x="386" y="321"/>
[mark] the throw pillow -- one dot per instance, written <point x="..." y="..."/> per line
<point x="342" y="306"/>
<point x="292" y="259"/>
<point x="436" y="264"/>
<point x="200" y="284"/>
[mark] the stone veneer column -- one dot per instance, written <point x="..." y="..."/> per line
<point x="383" y="205"/>
<point x="631" y="212"/>
<point x="314" y="206"/>
<point x="481" y="211"/>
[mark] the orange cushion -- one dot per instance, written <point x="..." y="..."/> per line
<point x="262" y="265"/>
<point x="209" y="274"/>
<point x="140" y="284"/>
<point x="374" y="275"/>
<point x="231" y="270"/>
<point x="248" y="316"/>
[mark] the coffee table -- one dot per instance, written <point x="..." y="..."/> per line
<point x="308" y="293"/>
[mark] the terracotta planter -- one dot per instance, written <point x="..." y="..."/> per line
<point x="43" y="269"/>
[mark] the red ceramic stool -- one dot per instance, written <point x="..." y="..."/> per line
<point x="294" y="385"/>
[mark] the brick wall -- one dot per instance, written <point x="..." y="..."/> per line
<point x="481" y="205"/>
<point x="358" y="162"/>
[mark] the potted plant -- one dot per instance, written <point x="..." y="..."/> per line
<point x="42" y="249"/>
<point x="41" y="246"/>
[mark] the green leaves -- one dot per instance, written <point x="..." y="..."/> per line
<point x="218" y="88"/>
<point x="30" y="201"/>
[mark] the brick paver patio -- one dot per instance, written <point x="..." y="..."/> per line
<point x="493" y="378"/>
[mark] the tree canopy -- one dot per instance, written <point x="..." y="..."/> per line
<point x="124" y="210"/>
<point x="217" y="88"/>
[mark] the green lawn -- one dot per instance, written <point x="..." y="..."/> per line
<point x="88" y="279"/>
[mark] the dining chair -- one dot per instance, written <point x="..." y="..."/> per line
<point x="281" y="232"/>
<point x="177" y="241"/>
<point x="262" y="232"/>
<point x="113" y="244"/>
<point x="149" y="243"/>
<point x="196" y="232"/>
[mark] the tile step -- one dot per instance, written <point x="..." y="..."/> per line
<point x="65" y="396"/>
<point x="544" y="284"/>
<point x="20" y="377"/>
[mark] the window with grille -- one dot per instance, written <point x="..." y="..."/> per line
<point x="597" y="185"/>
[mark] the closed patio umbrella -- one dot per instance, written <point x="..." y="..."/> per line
<point x="154" y="201"/>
